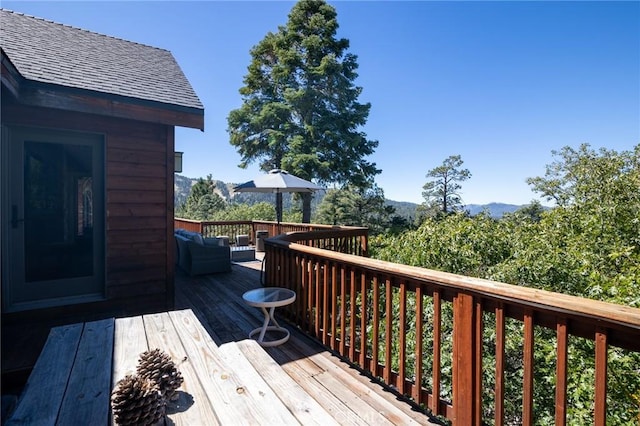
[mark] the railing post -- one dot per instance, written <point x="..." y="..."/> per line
<point x="464" y="344"/>
<point x="364" y="244"/>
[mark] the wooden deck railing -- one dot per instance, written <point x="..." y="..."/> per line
<point x="230" y="229"/>
<point x="424" y="332"/>
<point x="349" y="239"/>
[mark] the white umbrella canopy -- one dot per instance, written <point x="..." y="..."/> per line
<point x="277" y="181"/>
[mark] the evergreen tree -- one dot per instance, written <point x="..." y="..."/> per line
<point x="356" y="207"/>
<point x="203" y="202"/>
<point x="335" y="208"/>
<point x="442" y="193"/>
<point x="300" y="109"/>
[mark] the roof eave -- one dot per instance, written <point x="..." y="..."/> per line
<point x="91" y="102"/>
<point x="47" y="95"/>
<point x="11" y="78"/>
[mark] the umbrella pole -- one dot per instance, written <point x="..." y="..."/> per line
<point x="278" y="208"/>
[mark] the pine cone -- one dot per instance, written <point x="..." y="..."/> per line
<point x="137" y="401"/>
<point x="158" y="366"/>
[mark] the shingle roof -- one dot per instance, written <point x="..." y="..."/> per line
<point x="49" y="52"/>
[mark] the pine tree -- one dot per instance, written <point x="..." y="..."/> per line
<point x="442" y="192"/>
<point x="203" y="202"/>
<point x="356" y="207"/>
<point x="300" y="108"/>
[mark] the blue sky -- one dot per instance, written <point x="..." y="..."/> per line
<point x="500" y="83"/>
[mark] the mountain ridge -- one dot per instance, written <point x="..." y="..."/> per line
<point x="407" y="209"/>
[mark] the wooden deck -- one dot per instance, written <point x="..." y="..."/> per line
<point x="73" y="377"/>
<point x="349" y="396"/>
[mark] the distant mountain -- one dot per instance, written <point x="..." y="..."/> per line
<point x="404" y="209"/>
<point x="181" y="188"/>
<point x="495" y="210"/>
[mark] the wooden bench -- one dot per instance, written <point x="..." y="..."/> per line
<point x="79" y="365"/>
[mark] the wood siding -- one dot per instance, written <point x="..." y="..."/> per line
<point x="139" y="267"/>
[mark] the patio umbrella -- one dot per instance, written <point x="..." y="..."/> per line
<point x="277" y="181"/>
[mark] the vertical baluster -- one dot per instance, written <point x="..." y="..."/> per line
<point x="325" y="301"/>
<point x="499" y="388"/>
<point x="388" y="335"/>
<point x="601" y="338"/>
<point x="363" y="320"/>
<point x="308" y="271"/>
<point x="295" y="274"/>
<point x="315" y="273"/>
<point x="375" y="328"/>
<point x="334" y="305"/>
<point x="561" y="372"/>
<point x="417" y="369"/>
<point x="527" y="358"/>
<point x="302" y="296"/>
<point x="437" y="321"/>
<point x="343" y="311"/>
<point x="402" y="357"/>
<point x="352" y="317"/>
<point x="479" y="328"/>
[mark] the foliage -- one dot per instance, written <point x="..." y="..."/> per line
<point x="203" y="202"/>
<point x="441" y="193"/>
<point x="583" y="176"/>
<point x="355" y="207"/>
<point x="241" y="211"/>
<point x="300" y="109"/>
<point x="458" y="243"/>
<point x="589" y="246"/>
<point x="532" y="211"/>
<point x="334" y="208"/>
<point x="596" y="232"/>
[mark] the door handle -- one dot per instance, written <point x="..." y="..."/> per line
<point x="14" y="217"/>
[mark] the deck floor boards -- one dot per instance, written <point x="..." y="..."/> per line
<point x="349" y="396"/>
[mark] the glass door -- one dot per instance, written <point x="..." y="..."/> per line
<point x="55" y="218"/>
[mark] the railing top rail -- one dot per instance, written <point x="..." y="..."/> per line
<point x="187" y="220"/>
<point x="322" y="233"/>
<point x="609" y="314"/>
<point x="267" y="222"/>
<point x="311" y="225"/>
<point x="216" y="222"/>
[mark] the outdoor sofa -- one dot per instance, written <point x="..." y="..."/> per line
<point x="199" y="256"/>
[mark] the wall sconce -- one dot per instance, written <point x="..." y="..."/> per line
<point x="177" y="163"/>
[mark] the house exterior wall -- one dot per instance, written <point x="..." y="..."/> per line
<point x="137" y="122"/>
<point x="139" y="264"/>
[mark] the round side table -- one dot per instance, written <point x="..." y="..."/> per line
<point x="269" y="298"/>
